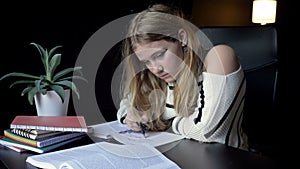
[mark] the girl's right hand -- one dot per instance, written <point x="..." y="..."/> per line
<point x="132" y="120"/>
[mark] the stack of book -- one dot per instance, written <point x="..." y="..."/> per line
<point x="43" y="133"/>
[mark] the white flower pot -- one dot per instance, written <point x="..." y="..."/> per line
<point x="50" y="104"/>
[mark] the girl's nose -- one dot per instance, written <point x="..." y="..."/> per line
<point x="157" y="69"/>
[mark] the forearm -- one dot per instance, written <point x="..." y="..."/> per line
<point x="186" y="126"/>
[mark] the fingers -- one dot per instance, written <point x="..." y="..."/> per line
<point x="132" y="124"/>
<point x="133" y="121"/>
<point x="144" y="118"/>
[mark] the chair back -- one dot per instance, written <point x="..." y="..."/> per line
<point x="256" y="48"/>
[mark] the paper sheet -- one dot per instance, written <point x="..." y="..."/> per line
<point x="125" y="135"/>
<point x="104" y="155"/>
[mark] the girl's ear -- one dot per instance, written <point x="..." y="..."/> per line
<point x="182" y="37"/>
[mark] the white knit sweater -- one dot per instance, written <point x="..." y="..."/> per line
<point x="222" y="112"/>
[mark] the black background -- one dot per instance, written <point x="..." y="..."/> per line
<point x="52" y="23"/>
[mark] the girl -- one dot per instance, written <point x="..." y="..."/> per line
<point x="175" y="79"/>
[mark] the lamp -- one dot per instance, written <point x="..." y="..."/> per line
<point x="264" y="11"/>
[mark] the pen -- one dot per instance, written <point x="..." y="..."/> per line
<point x="144" y="128"/>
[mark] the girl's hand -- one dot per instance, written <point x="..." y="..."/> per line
<point x="132" y="120"/>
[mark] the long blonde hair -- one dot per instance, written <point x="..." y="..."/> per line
<point x="146" y="92"/>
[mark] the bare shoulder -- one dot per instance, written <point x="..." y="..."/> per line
<point x="221" y="59"/>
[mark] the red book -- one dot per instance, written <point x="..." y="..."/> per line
<point x="51" y="123"/>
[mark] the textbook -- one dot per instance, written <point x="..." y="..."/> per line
<point x="104" y="155"/>
<point x="35" y="134"/>
<point x="42" y="142"/>
<point x="51" y="123"/>
<point x="10" y="142"/>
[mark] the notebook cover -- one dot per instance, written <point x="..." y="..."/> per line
<point x="53" y="123"/>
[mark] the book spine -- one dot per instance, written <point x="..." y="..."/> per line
<point x="20" y="138"/>
<point x="10" y="142"/>
<point x="42" y="143"/>
<point x="30" y="133"/>
<point x="12" y="126"/>
<point x="57" y="139"/>
<point x="25" y="133"/>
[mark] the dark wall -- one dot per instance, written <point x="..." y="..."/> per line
<point x="52" y="23"/>
<point x="222" y="12"/>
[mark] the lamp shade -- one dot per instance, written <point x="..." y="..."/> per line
<point x="264" y="11"/>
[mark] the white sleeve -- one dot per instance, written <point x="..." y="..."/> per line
<point x="122" y="111"/>
<point x="213" y="110"/>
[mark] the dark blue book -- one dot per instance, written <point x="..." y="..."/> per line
<point x="10" y="142"/>
<point x="42" y="142"/>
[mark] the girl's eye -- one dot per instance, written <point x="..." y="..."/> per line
<point x="158" y="55"/>
<point x="161" y="53"/>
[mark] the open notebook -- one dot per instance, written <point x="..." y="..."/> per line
<point x="125" y="135"/>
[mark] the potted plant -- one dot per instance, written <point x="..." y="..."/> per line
<point x="49" y="91"/>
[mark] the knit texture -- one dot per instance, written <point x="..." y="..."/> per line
<point x="222" y="113"/>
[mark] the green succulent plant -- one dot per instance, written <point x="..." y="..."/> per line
<point x="51" y="80"/>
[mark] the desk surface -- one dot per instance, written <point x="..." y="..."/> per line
<point x="186" y="153"/>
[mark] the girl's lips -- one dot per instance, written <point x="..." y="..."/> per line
<point x="164" y="76"/>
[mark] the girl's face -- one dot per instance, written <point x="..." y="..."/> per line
<point x="162" y="58"/>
